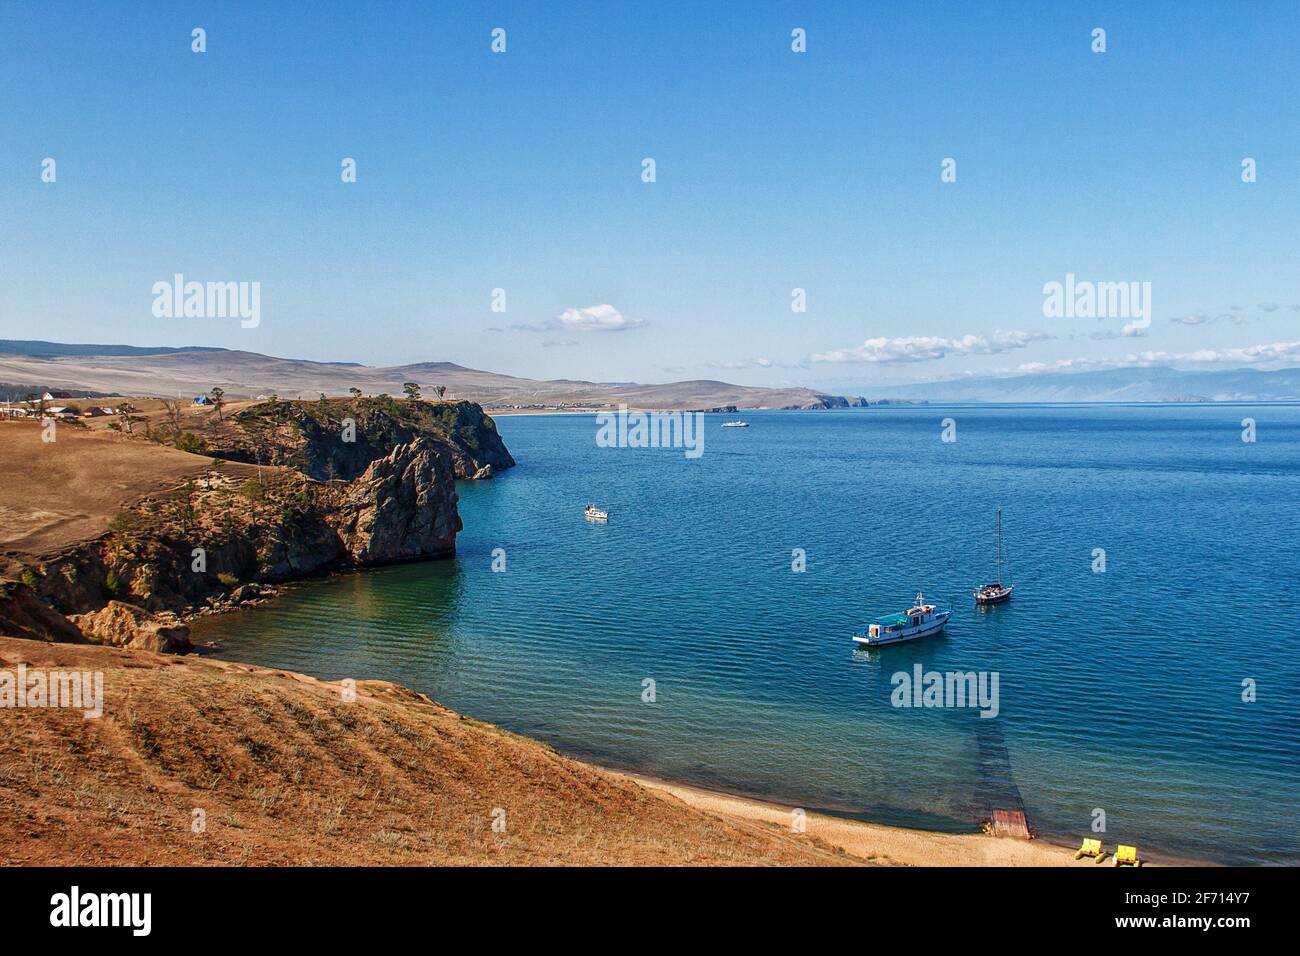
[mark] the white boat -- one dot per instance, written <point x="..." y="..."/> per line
<point x="736" y="424"/>
<point x="919" y="620"/>
<point x="592" y="513"/>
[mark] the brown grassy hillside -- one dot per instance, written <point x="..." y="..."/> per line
<point x="287" y="772"/>
<point x="63" y="492"/>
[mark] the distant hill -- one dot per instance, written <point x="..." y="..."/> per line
<point x="16" y="391"/>
<point x="38" y="349"/>
<point x="168" y="372"/>
<point x="1155" y="384"/>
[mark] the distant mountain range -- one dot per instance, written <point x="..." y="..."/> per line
<point x="37" y="349"/>
<point x="1154" y="384"/>
<point x="169" y="372"/>
<point x="165" y="372"/>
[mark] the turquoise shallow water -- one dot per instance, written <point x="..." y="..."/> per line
<point x="1119" y="691"/>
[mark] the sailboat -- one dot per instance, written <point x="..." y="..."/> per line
<point x="997" y="592"/>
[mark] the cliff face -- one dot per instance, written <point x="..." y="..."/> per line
<point x="402" y="508"/>
<point x="215" y="541"/>
<point x="338" y="438"/>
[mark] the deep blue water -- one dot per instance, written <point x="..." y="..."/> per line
<point x="1119" y="690"/>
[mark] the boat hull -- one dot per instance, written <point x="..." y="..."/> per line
<point x="995" y="598"/>
<point x="928" y="629"/>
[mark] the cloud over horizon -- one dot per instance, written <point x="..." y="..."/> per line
<point x="1247" y="355"/>
<point x="928" y="348"/>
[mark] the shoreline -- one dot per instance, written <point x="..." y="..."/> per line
<point x="885" y="845"/>
<point x="873" y="843"/>
<point x="881" y="844"/>
<point x="864" y="839"/>
<point x="275" y="721"/>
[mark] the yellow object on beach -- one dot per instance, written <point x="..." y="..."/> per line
<point x="1126" y="856"/>
<point x="1091" y="848"/>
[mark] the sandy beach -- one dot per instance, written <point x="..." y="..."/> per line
<point x="875" y="843"/>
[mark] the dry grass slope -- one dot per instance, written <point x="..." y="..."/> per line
<point x="288" y="773"/>
<point x="66" y="491"/>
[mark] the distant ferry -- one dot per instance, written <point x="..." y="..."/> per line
<point x="920" y="620"/>
<point x="592" y="513"/>
<point x="736" y="424"/>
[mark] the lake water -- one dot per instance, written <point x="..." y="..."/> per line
<point x="1119" y="691"/>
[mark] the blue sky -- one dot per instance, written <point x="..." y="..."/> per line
<point x="775" y="170"/>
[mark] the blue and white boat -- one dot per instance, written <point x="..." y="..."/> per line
<point x="919" y="620"/>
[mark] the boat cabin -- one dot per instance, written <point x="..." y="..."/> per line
<point x="893" y="623"/>
<point x="889" y="624"/>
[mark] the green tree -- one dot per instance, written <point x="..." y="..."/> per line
<point x="218" y="395"/>
<point x="412" y="390"/>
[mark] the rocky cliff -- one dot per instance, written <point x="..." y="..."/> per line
<point x="403" y="507"/>
<point x="339" y="438"/>
<point x="218" y="541"/>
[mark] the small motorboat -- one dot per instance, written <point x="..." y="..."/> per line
<point x="919" y="620"/>
<point x="736" y="424"/>
<point x="592" y="513"/>
<point x="997" y="592"/>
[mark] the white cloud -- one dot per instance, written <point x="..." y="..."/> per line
<point x="1203" y="318"/>
<point x="595" y="318"/>
<point x="1247" y="355"/>
<point x="1275" y="352"/>
<point x="745" y="363"/>
<point x="927" y="348"/>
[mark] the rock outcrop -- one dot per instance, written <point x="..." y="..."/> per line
<point x="339" y="438"/>
<point x="387" y="495"/>
<point x="119" y="624"/>
<point x="24" y="614"/>
<point x="403" y="507"/>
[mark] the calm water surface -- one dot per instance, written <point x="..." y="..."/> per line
<point x="1120" y="691"/>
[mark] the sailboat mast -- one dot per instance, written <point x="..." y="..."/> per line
<point x="999" y="547"/>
